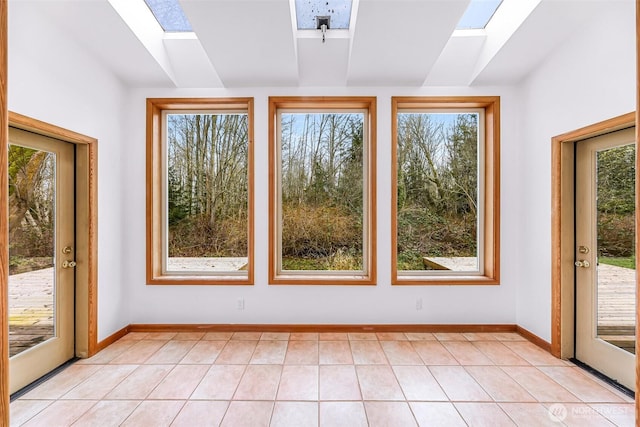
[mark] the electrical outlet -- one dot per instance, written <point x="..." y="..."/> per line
<point x="419" y="304"/>
<point x="240" y="303"/>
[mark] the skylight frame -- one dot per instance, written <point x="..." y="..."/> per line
<point x="478" y="14"/>
<point x="339" y="11"/>
<point x="169" y="15"/>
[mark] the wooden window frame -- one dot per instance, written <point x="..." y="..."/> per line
<point x="490" y="216"/>
<point x="322" y="104"/>
<point x="156" y="107"/>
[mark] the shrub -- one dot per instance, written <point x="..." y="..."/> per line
<point x="616" y="235"/>
<point x="195" y="237"/>
<point x="422" y="232"/>
<point x="319" y="231"/>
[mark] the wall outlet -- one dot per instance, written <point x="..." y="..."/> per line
<point x="419" y="304"/>
<point x="240" y="303"/>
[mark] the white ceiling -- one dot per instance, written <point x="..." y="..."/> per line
<point x="248" y="43"/>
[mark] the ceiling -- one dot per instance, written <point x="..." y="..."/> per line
<point x="249" y="43"/>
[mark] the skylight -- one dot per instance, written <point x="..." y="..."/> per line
<point x="339" y="12"/>
<point x="169" y="15"/>
<point x="478" y="14"/>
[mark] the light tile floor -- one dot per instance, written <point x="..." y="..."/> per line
<point x="328" y="379"/>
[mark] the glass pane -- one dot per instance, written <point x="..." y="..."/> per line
<point x="322" y="191"/>
<point x="478" y="14"/>
<point x="616" y="246"/>
<point x="31" y="247"/>
<point x="207" y="186"/>
<point x="169" y="15"/>
<point x="437" y="191"/>
<point x="339" y="12"/>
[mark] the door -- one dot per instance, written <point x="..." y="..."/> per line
<point x="605" y="255"/>
<point x="41" y="254"/>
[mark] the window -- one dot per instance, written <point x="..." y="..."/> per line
<point x="338" y="13"/>
<point x="322" y="190"/>
<point x="169" y="15"/>
<point x="445" y="206"/>
<point x="478" y="14"/>
<point x="200" y="191"/>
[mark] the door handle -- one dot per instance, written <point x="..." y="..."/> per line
<point x="583" y="263"/>
<point x="68" y="264"/>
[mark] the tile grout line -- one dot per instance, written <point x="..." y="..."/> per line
<point x="318" y="365"/>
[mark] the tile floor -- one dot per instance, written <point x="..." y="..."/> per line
<point x="328" y="379"/>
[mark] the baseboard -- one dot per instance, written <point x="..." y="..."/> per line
<point x="449" y="328"/>
<point x="534" y="338"/>
<point x="112" y="338"/>
<point x="317" y="328"/>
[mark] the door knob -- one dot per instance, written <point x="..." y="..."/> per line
<point x="583" y="263"/>
<point x="68" y="264"/>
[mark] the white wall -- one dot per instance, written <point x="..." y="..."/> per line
<point x="589" y="79"/>
<point x="319" y="304"/>
<point x="53" y="80"/>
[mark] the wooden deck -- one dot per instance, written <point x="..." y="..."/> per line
<point x="616" y="306"/>
<point x="206" y="264"/>
<point x="31" y="302"/>
<point x="459" y="263"/>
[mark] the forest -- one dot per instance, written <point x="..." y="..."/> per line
<point x="31" y="209"/>
<point x="207" y="182"/>
<point x="321" y="181"/>
<point x="437" y="176"/>
<point x="616" y="205"/>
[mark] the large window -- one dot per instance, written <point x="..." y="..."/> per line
<point x="445" y="218"/>
<point x="200" y="191"/>
<point x="322" y="190"/>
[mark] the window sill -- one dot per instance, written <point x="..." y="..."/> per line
<point x="217" y="280"/>
<point x="450" y="280"/>
<point x="323" y="280"/>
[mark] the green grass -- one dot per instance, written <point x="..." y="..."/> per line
<point x="408" y="261"/>
<point x="339" y="261"/>
<point x="303" y="263"/>
<point x="625" y="262"/>
<point x="19" y="265"/>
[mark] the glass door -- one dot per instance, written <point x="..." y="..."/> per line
<point x="605" y="255"/>
<point x="41" y="255"/>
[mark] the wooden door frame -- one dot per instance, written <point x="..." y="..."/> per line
<point x="562" y="230"/>
<point x="86" y="209"/>
<point x="4" y="219"/>
<point x="637" y="406"/>
<point x="86" y="150"/>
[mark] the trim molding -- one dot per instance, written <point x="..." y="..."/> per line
<point x="318" y="328"/>
<point x="43" y="128"/>
<point x="4" y="220"/>
<point x="325" y="105"/>
<point x="491" y="202"/>
<point x="86" y="149"/>
<point x="637" y="121"/>
<point x="155" y="171"/>
<point x="112" y="338"/>
<point x="444" y="328"/>
<point x="543" y="344"/>
<point x="562" y="226"/>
